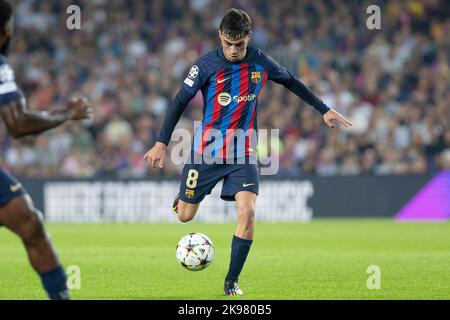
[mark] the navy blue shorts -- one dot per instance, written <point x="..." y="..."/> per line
<point x="198" y="180"/>
<point x="9" y="188"/>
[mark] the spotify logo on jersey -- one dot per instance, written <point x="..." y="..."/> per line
<point x="224" y="99"/>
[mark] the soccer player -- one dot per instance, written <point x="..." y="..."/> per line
<point x="17" y="211"/>
<point x="230" y="79"/>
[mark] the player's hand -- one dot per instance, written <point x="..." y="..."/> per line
<point x="155" y="155"/>
<point x="332" y="116"/>
<point x="79" y="109"/>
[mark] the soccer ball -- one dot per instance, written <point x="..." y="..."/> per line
<point x="195" y="251"/>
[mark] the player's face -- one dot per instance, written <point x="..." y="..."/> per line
<point x="5" y="39"/>
<point x="234" y="49"/>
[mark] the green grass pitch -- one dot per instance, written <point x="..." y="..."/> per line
<point x="323" y="259"/>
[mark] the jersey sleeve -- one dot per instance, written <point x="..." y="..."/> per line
<point x="279" y="74"/>
<point x="8" y="87"/>
<point x="197" y="77"/>
<point x="275" y="71"/>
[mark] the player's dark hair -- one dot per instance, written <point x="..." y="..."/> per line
<point x="5" y="13"/>
<point x="235" y="24"/>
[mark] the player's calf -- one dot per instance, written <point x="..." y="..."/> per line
<point x="185" y="211"/>
<point x="245" y="221"/>
<point x="20" y="216"/>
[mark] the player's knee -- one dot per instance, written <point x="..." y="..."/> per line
<point x="183" y="217"/>
<point x="32" y="228"/>
<point x="246" y="213"/>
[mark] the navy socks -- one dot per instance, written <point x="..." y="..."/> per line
<point x="239" y="251"/>
<point x="54" y="283"/>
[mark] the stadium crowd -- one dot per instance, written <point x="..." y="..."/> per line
<point x="130" y="57"/>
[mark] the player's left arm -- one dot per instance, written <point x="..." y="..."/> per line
<point x="330" y="116"/>
<point x="280" y="75"/>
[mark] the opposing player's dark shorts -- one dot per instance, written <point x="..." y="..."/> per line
<point x="198" y="180"/>
<point x="9" y="188"/>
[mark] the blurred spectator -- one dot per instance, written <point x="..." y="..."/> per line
<point x="130" y="58"/>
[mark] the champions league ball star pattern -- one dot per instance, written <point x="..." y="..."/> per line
<point x="195" y="251"/>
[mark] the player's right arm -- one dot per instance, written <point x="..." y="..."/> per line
<point x="193" y="82"/>
<point x="21" y="121"/>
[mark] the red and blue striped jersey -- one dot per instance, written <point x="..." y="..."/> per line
<point x="231" y="97"/>
<point x="230" y="93"/>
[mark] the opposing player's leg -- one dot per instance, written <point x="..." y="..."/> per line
<point x="18" y="214"/>
<point x="21" y="217"/>
<point x="242" y="186"/>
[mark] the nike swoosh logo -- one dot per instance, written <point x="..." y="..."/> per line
<point x="248" y="185"/>
<point x="219" y="81"/>
<point x="15" y="187"/>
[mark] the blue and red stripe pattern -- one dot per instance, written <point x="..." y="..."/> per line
<point x="250" y="119"/>
<point x="230" y="93"/>
<point x="239" y="87"/>
<point x="210" y="113"/>
<point x="230" y="105"/>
